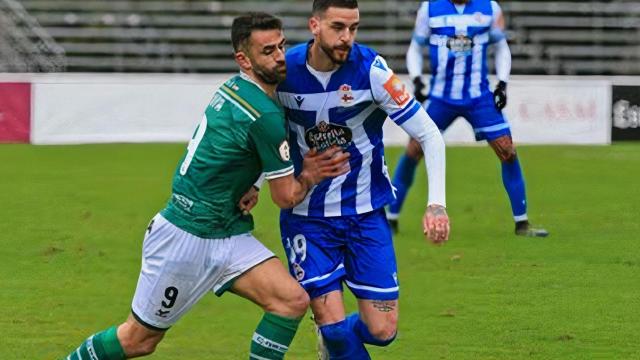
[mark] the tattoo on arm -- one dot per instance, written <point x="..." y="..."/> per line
<point x="384" y="306"/>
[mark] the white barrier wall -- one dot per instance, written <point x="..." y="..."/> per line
<point x="544" y="111"/>
<point x="96" y="108"/>
<point x="107" y="108"/>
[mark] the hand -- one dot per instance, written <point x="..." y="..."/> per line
<point x="436" y="224"/>
<point x="418" y="88"/>
<point x="500" y="95"/>
<point x="249" y="200"/>
<point x="319" y="166"/>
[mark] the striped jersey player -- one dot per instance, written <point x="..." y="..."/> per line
<point x="457" y="34"/>
<point x="340" y="93"/>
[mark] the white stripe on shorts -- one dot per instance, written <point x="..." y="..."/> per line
<point x="371" y="288"/>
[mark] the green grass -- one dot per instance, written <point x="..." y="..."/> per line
<point x="73" y="219"/>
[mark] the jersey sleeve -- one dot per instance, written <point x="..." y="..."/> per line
<point x="421" y="30"/>
<point x="390" y="93"/>
<point x="497" y="33"/>
<point x="269" y="135"/>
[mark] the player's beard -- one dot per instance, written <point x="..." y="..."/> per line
<point x="331" y="52"/>
<point x="273" y="76"/>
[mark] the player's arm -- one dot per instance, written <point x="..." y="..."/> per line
<point x="391" y="95"/>
<point x="414" y="57"/>
<point x="269" y="137"/>
<point x="288" y="191"/>
<point x="250" y="199"/>
<point x="503" y="56"/>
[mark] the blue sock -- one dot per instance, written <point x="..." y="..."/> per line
<point x="362" y="331"/>
<point x="514" y="184"/>
<point x="342" y="343"/>
<point x="402" y="180"/>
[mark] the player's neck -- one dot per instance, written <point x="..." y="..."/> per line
<point x="319" y="60"/>
<point x="269" y="89"/>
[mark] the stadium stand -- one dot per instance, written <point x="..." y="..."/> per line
<point x="567" y="37"/>
<point x="24" y="45"/>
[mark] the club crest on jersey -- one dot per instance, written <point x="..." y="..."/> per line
<point x="396" y="88"/>
<point x="324" y="135"/>
<point x="346" y="96"/>
<point x="284" y="151"/>
<point x="460" y="45"/>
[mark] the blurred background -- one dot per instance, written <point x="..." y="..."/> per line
<point x="570" y="39"/>
<point x="93" y="76"/>
<point x="192" y="36"/>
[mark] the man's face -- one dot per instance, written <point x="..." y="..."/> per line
<point x="335" y="31"/>
<point x="266" y="53"/>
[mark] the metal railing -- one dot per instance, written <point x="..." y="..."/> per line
<point x="24" y="45"/>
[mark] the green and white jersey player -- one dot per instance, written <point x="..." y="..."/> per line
<point x="201" y="242"/>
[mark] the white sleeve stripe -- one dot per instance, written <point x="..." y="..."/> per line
<point x="278" y="173"/>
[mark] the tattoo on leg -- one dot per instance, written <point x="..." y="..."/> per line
<point x="384" y="306"/>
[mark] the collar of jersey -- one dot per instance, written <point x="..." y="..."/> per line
<point x="249" y="79"/>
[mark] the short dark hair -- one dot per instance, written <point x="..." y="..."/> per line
<point x="244" y="25"/>
<point x="320" y="6"/>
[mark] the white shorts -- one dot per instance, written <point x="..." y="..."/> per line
<point x="178" y="268"/>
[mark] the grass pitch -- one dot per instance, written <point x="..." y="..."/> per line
<point x="73" y="218"/>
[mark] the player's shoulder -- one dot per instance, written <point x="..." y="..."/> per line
<point x="364" y="58"/>
<point x="248" y="97"/>
<point x="364" y="53"/>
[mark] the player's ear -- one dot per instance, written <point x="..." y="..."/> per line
<point x="314" y="25"/>
<point x="243" y="60"/>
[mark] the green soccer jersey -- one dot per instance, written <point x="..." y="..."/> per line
<point x="242" y="134"/>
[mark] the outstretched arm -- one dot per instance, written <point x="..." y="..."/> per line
<point x="421" y="128"/>
<point x="414" y="55"/>
<point x="503" y="56"/>
<point x="391" y="95"/>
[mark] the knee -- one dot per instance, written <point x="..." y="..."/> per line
<point x="504" y="149"/>
<point x="508" y="156"/>
<point x="297" y="302"/>
<point x="384" y="332"/>
<point x="414" y="150"/>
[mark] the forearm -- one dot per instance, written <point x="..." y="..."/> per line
<point x="302" y="185"/>
<point x="414" y="59"/>
<point x="503" y="60"/>
<point x="421" y="128"/>
<point x="289" y="191"/>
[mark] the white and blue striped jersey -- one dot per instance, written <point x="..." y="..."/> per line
<point x="348" y="109"/>
<point x="458" y="37"/>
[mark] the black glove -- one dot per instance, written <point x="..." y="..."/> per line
<point x="418" y="87"/>
<point x="500" y="95"/>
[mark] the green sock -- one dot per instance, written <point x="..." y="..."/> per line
<point x="101" y="346"/>
<point x="273" y="337"/>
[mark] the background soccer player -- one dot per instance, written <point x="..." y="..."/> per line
<point x="340" y="93"/>
<point x="201" y="242"/>
<point x="457" y="33"/>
